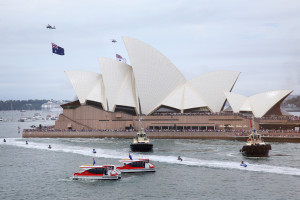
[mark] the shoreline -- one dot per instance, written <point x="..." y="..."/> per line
<point x="157" y="135"/>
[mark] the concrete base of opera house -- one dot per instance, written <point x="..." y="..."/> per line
<point x="87" y="117"/>
<point x="272" y="137"/>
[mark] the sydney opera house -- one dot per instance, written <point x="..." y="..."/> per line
<point x="151" y="88"/>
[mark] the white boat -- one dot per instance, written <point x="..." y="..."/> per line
<point x="140" y="165"/>
<point x="98" y="172"/>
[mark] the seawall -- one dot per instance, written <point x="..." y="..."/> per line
<point x="157" y="135"/>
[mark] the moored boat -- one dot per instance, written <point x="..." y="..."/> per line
<point x="141" y="142"/>
<point x="255" y="146"/>
<point x="140" y="165"/>
<point x="98" y="172"/>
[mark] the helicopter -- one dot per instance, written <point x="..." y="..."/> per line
<point x="50" y="27"/>
<point x="113" y="40"/>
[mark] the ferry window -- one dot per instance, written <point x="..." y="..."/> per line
<point x="97" y="170"/>
<point x="141" y="164"/>
<point x="132" y="164"/>
<point x="136" y="164"/>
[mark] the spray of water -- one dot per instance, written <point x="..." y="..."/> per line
<point x="115" y="154"/>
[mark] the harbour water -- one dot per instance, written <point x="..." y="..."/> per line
<point x="210" y="169"/>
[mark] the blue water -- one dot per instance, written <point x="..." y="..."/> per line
<point x="209" y="170"/>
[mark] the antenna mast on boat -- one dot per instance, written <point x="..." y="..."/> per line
<point x="140" y="115"/>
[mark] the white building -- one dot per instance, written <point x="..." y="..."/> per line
<point x="153" y="83"/>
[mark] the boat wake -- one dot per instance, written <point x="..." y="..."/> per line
<point x="119" y="154"/>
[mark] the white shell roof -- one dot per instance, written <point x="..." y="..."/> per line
<point x="246" y="106"/>
<point x="191" y="98"/>
<point x="127" y="93"/>
<point x="263" y="102"/>
<point x="119" y="83"/>
<point x="87" y="85"/>
<point x="155" y="76"/>
<point x="184" y="97"/>
<point x="259" y="104"/>
<point x="154" y="80"/>
<point x="211" y="87"/>
<point x="236" y="101"/>
<point x="97" y="93"/>
<point x="175" y="99"/>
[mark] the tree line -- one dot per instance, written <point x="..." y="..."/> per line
<point x="294" y="100"/>
<point x="22" y="104"/>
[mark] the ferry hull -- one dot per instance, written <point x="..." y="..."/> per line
<point x="136" y="170"/>
<point x="256" y="150"/>
<point x="96" y="177"/>
<point x="141" y="147"/>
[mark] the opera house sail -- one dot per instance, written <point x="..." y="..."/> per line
<point x="152" y="87"/>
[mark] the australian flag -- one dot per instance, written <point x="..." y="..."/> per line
<point x="57" y="49"/>
<point x="120" y="58"/>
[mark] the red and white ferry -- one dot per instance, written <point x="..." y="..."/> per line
<point x="140" y="165"/>
<point x="98" y="172"/>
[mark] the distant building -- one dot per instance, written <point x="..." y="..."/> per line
<point x="52" y="105"/>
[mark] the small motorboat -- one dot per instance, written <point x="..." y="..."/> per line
<point x="98" y="172"/>
<point x="141" y="143"/>
<point x="94" y="151"/>
<point x="140" y="165"/>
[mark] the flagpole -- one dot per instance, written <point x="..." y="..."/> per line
<point x="114" y="47"/>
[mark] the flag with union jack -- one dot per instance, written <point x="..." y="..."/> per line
<point x="57" y="49"/>
<point x="120" y="58"/>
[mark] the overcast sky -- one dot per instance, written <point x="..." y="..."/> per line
<point x="260" y="39"/>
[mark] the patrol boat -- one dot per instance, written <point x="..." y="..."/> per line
<point x="141" y="143"/>
<point x="255" y="146"/>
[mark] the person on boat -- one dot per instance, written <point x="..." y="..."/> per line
<point x="4" y="140"/>
<point x="130" y="157"/>
<point x="26" y="142"/>
<point x="94" y="151"/>
<point x="243" y="164"/>
<point x="179" y="158"/>
<point x="94" y="162"/>
<point x="49" y="147"/>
